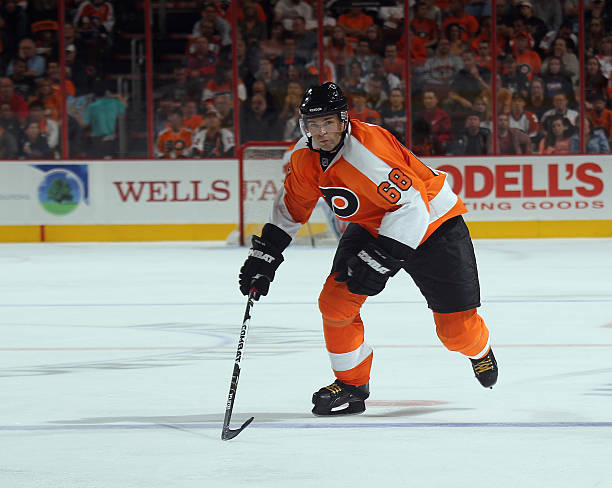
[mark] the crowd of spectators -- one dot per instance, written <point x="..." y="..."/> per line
<point x="31" y="105"/>
<point x="452" y="71"/>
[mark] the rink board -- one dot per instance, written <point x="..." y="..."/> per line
<point x="141" y="200"/>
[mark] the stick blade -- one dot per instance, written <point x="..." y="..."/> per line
<point x="228" y="433"/>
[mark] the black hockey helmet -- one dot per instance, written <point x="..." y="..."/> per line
<point x="322" y="100"/>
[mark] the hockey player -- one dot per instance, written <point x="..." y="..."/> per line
<point x="402" y="214"/>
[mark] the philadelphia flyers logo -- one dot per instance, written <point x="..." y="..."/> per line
<point x="342" y="201"/>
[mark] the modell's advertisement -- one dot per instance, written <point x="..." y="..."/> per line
<point x="539" y="188"/>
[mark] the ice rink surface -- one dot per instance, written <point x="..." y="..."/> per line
<point x="117" y="358"/>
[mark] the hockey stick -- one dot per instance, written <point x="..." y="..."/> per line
<point x="228" y="433"/>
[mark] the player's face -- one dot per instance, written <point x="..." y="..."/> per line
<point x="326" y="131"/>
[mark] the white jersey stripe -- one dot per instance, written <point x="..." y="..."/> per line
<point x="281" y="217"/>
<point x="348" y="360"/>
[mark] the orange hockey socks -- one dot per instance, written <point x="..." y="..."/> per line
<point x="350" y="356"/>
<point x="464" y="332"/>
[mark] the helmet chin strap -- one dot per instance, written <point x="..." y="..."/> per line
<point x="326" y="157"/>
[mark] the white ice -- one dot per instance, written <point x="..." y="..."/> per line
<point x="116" y="361"/>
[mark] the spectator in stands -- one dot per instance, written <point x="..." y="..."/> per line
<point x="222" y="29"/>
<point x="469" y="82"/>
<point x="467" y="23"/>
<point x="354" y="79"/>
<point x="101" y="117"/>
<point x="595" y="83"/>
<point x="355" y="22"/>
<point x="8" y="120"/>
<point x="221" y="81"/>
<point x="23" y="82"/>
<point x="271" y="78"/>
<point x="390" y="80"/>
<point x="565" y="31"/>
<point x="482" y="106"/>
<point x="605" y="56"/>
<point x="49" y="128"/>
<point x="557" y="80"/>
<point x="571" y="65"/>
<point x="292" y="99"/>
<point x="182" y="87"/>
<point x="363" y="56"/>
<point x="36" y="64"/>
<point x="528" y="60"/>
<point x="213" y="141"/>
<point x="257" y="123"/>
<point x="601" y="117"/>
<point x="8" y="95"/>
<point x="510" y="140"/>
<point x="441" y="68"/>
<point x="438" y="120"/>
<point x="424" y="27"/>
<point x="560" y="107"/>
<point x="191" y="118"/>
<point x="593" y="36"/>
<point x="598" y="9"/>
<point x="377" y="96"/>
<point x="473" y="140"/>
<point x="14" y="26"/>
<point x="287" y="10"/>
<point x="390" y="16"/>
<point x="483" y="54"/>
<point x="393" y="62"/>
<point x="434" y="12"/>
<point x="292" y="131"/>
<point x="289" y="57"/>
<point x="393" y="114"/>
<point x="536" y="102"/>
<point x="48" y="97"/>
<point x="558" y="138"/>
<point x="305" y="40"/>
<point x="312" y="69"/>
<point x="97" y="9"/>
<point x="272" y="47"/>
<point x="201" y="62"/>
<point x="33" y="145"/>
<point x="54" y="76"/>
<point x="595" y="142"/>
<point x="174" y="141"/>
<point x="454" y="35"/>
<point x="376" y="40"/>
<point x="8" y="143"/>
<point x="513" y="79"/>
<point x="339" y="50"/>
<point x="223" y="103"/>
<point x="522" y="119"/>
<point x="250" y="25"/>
<point x="361" y="111"/>
<point x="536" y="27"/>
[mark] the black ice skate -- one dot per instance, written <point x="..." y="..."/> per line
<point x="485" y="369"/>
<point x="329" y="399"/>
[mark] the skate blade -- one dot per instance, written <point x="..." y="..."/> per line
<point x="354" y="408"/>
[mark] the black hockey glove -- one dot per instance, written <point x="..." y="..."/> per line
<point x="368" y="272"/>
<point x="259" y="268"/>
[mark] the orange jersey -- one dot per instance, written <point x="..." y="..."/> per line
<point x="174" y="145"/>
<point x="373" y="181"/>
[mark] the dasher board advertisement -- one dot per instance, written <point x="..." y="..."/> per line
<point x="118" y="192"/>
<point x="527" y="188"/>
